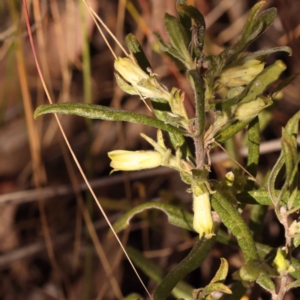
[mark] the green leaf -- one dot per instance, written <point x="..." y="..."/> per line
<point x="256" y="87"/>
<point x="253" y="269"/>
<point x="272" y="179"/>
<point x="198" y="89"/>
<point x="138" y="52"/>
<point x="222" y="272"/>
<point x="289" y="150"/>
<point x="283" y="84"/>
<point x="255" y="26"/>
<point x="291" y="128"/>
<point x="231" y="130"/>
<point x="155" y="272"/>
<point x="238" y="291"/>
<point x="262" y="197"/>
<point x="178" y="39"/>
<point x="293" y="285"/>
<point x="198" y="30"/>
<point x="257" y="217"/>
<point x="253" y="150"/>
<point x="192" y="13"/>
<point x="133" y="296"/>
<point x="201" y="294"/>
<point x="296" y="265"/>
<point x="235" y="223"/>
<point x="290" y="155"/>
<point x="266" y="252"/>
<point x="266" y="283"/>
<point x="184" y="19"/>
<point x="176" y="215"/>
<point x="192" y="261"/>
<point x="104" y="113"/>
<point x="262" y="53"/>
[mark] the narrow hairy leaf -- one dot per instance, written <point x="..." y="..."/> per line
<point x="104" y="113"/>
<point x="253" y="150"/>
<point x="293" y="285"/>
<point x="260" y="53"/>
<point x="192" y="261"/>
<point x="176" y="216"/>
<point x="255" y="26"/>
<point x="254" y="269"/>
<point x="211" y="288"/>
<point x="178" y="39"/>
<point x="296" y="264"/>
<point x="266" y="283"/>
<point x="272" y="179"/>
<point x="171" y="51"/>
<point x="197" y="30"/>
<point x="155" y="272"/>
<point x="290" y="153"/>
<point x="184" y="19"/>
<point x="231" y="130"/>
<point x="222" y="272"/>
<point x="283" y="84"/>
<point x="133" y="296"/>
<point x="138" y="52"/>
<point x="257" y="217"/>
<point x="262" y="197"/>
<point x="235" y="223"/>
<point x="238" y="291"/>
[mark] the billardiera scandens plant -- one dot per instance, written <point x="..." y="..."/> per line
<point x="232" y="87"/>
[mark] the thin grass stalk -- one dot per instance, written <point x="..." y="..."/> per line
<point x="37" y="166"/>
<point x="87" y="88"/>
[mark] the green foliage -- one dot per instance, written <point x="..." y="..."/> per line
<point x="182" y="289"/>
<point x="233" y="87"/>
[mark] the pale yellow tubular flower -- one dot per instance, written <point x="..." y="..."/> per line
<point x="145" y="85"/>
<point x="129" y="70"/>
<point x="203" y="222"/>
<point x="122" y="160"/>
<point x="241" y="75"/>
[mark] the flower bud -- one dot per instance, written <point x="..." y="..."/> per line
<point x="251" y="109"/>
<point x="122" y="160"/>
<point x="281" y="264"/>
<point x="241" y="75"/>
<point x="203" y="222"/>
<point x="144" y="84"/>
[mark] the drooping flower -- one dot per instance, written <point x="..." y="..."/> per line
<point x="203" y="222"/>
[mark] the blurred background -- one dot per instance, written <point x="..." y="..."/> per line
<point x="54" y="242"/>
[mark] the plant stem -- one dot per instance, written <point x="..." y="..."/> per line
<point x="199" y="151"/>
<point x="282" y="290"/>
